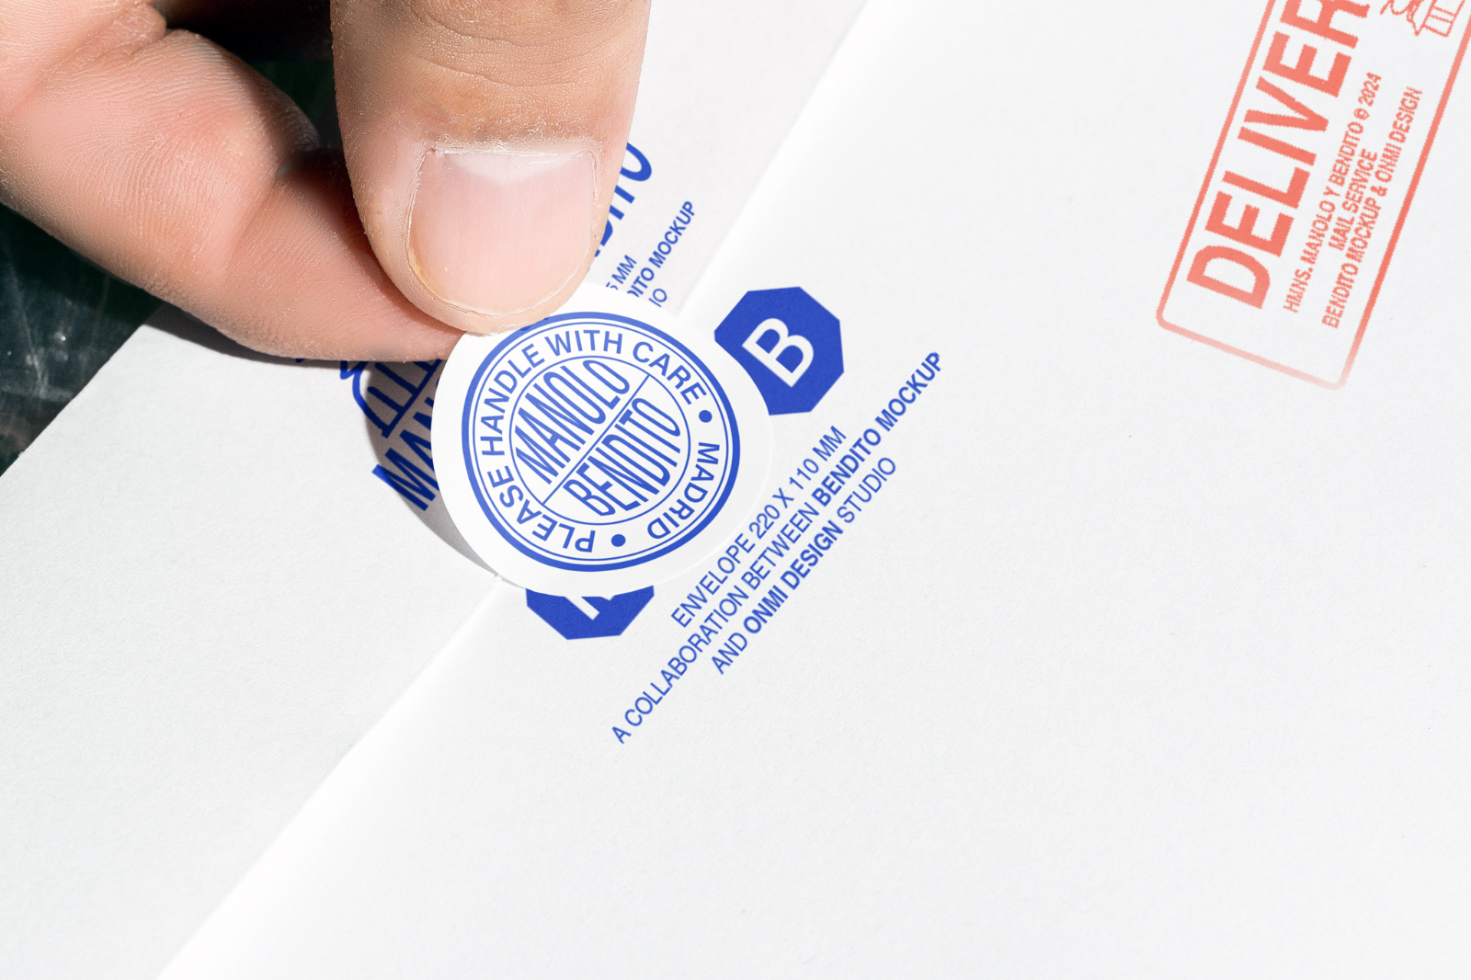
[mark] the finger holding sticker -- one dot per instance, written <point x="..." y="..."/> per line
<point x="483" y="143"/>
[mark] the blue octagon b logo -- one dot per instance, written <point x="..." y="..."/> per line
<point x="789" y="344"/>
<point x="585" y="617"/>
<point x="595" y="442"/>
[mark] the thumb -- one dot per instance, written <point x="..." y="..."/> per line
<point x="484" y="140"/>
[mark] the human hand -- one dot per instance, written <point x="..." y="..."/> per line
<point x="483" y="140"/>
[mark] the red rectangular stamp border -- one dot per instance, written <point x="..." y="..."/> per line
<point x="1399" y="224"/>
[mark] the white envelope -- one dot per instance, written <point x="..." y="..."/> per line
<point x="1136" y="658"/>
<point x="221" y="569"/>
<point x="1144" y="661"/>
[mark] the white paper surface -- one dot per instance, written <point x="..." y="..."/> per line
<point x="208" y="600"/>
<point x="1145" y="662"/>
<point x="209" y="595"/>
<point x="721" y="86"/>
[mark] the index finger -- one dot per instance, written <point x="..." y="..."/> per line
<point x="173" y="164"/>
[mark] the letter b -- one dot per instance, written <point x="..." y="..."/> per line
<point x="784" y="342"/>
<point x="594" y="502"/>
<point x="788" y="343"/>
<point x="610" y="616"/>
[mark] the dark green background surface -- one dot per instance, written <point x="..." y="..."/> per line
<point x="61" y="317"/>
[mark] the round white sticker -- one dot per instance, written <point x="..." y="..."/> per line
<point x="595" y="452"/>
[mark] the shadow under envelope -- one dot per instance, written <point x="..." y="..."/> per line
<point x="397" y="401"/>
<point x="397" y="405"/>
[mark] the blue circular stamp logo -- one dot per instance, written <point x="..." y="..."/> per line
<point x="595" y="442"/>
